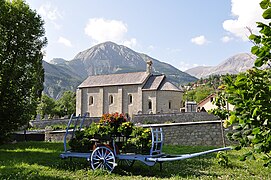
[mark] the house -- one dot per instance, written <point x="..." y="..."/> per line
<point x="132" y="93"/>
<point x="207" y="103"/>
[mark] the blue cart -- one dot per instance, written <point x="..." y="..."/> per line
<point x="107" y="157"/>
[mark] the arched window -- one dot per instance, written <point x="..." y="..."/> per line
<point x="169" y="104"/>
<point x="90" y="100"/>
<point x="130" y="98"/>
<point x="150" y="104"/>
<point x="111" y="99"/>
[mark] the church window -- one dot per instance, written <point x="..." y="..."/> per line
<point x="169" y="104"/>
<point x="130" y="97"/>
<point x="111" y="99"/>
<point x="90" y="100"/>
<point x="150" y="104"/>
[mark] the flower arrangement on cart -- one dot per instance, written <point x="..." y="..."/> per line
<point x="112" y="126"/>
<point x="115" y="140"/>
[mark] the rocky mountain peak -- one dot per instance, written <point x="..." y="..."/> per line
<point x="57" y="61"/>
<point x="104" y="58"/>
<point x="232" y="65"/>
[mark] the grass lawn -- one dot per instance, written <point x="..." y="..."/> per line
<point x="40" y="160"/>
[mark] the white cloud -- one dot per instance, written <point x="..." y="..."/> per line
<point x="226" y="39"/>
<point x="101" y="30"/>
<point x="64" y="41"/>
<point x="50" y="12"/>
<point x="130" y="43"/>
<point x="183" y="66"/>
<point x="199" y="40"/>
<point x="245" y="14"/>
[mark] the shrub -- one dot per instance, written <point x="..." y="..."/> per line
<point x="112" y="126"/>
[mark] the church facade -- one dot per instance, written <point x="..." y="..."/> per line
<point x="132" y="93"/>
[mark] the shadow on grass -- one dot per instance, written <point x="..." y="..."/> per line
<point x="24" y="173"/>
<point x="40" y="153"/>
<point x="194" y="167"/>
<point x="47" y="154"/>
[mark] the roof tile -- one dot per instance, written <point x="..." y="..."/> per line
<point x="115" y="79"/>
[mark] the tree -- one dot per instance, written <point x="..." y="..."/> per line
<point x="66" y="104"/>
<point x="21" y="72"/>
<point x="46" y="106"/>
<point x="198" y="94"/>
<point x="250" y="93"/>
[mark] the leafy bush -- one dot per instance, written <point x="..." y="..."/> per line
<point x="139" y="141"/>
<point x="250" y="93"/>
<point x="112" y="126"/>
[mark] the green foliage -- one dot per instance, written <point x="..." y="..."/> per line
<point x="126" y="128"/>
<point x="222" y="159"/>
<point x="250" y="93"/>
<point x="40" y="160"/>
<point x="21" y="72"/>
<point x="204" y="87"/>
<point x="262" y="43"/>
<point x="198" y="94"/>
<point x="109" y="127"/>
<point x="139" y="141"/>
<point x="46" y="106"/>
<point x="64" y="106"/>
<point x="82" y="142"/>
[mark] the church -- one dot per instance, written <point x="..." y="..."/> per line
<point x="132" y="93"/>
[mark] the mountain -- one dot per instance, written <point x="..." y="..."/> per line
<point x="58" y="79"/>
<point x="104" y="58"/>
<point x="233" y="65"/>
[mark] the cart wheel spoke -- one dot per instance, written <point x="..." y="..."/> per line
<point x="108" y="155"/>
<point x="109" y="158"/>
<point x="98" y="154"/>
<point x="95" y="163"/>
<point x="103" y="158"/>
<point x="109" y="167"/>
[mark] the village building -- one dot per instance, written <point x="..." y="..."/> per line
<point x="207" y="103"/>
<point x="132" y="93"/>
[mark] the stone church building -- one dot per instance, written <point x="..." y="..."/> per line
<point x="132" y="93"/>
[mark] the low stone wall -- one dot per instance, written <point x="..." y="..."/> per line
<point x="142" y="119"/>
<point x="42" y="124"/>
<point x="173" y="118"/>
<point x="202" y="133"/>
<point x="190" y="129"/>
<point x="56" y="136"/>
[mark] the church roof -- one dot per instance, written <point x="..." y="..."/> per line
<point x="153" y="82"/>
<point x="115" y="79"/>
<point x="168" y="86"/>
<point x="160" y="82"/>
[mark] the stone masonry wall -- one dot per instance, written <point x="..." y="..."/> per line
<point x="43" y="123"/>
<point x="194" y="134"/>
<point x="206" y="133"/>
<point x="189" y="129"/>
<point x="173" y="117"/>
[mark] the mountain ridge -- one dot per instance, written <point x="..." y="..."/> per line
<point x="232" y="65"/>
<point x="104" y="58"/>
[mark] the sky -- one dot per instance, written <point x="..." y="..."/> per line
<point x="182" y="33"/>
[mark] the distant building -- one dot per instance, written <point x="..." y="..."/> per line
<point x="189" y="106"/>
<point x="207" y="103"/>
<point x="132" y="93"/>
